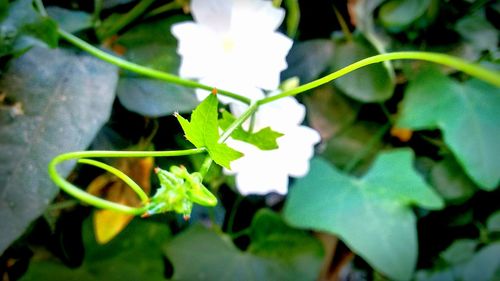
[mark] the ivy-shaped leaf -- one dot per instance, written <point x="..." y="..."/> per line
<point x="203" y="131"/>
<point x="132" y="255"/>
<point x="372" y="214"/>
<point x="466" y="113"/>
<point x="21" y="27"/>
<point x="276" y="252"/>
<point x="264" y="139"/>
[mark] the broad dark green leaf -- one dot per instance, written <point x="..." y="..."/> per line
<point x="62" y="100"/>
<point x="264" y="139"/>
<point x="152" y="44"/>
<point x="400" y="13"/>
<point x="308" y="59"/>
<point x="329" y="112"/>
<point x="22" y="28"/>
<point x="466" y="264"/>
<point x="372" y="214"/>
<point x="363" y="16"/>
<point x="467" y="114"/>
<point x="480" y="33"/>
<point x="460" y="251"/>
<point x="154" y="98"/>
<point x="203" y="131"/>
<point x="373" y="83"/>
<point x="355" y="147"/>
<point x="451" y="182"/>
<point x="276" y="252"/>
<point x="484" y="266"/>
<point x="69" y="20"/>
<point x="135" y="254"/>
<point x="493" y="223"/>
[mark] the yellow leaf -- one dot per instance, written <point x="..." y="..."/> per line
<point x="108" y="224"/>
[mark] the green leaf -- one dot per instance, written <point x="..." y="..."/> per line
<point x="264" y="139"/>
<point x="373" y="83"/>
<point x="400" y="13"/>
<point x="330" y="112"/>
<point x="203" y="131"/>
<point x="467" y="114"/>
<point x="484" y="266"/>
<point x="460" y="251"/>
<point x="154" y="98"/>
<point x="372" y="214"/>
<point x="276" y="252"/>
<point x="152" y="44"/>
<point x="308" y="59"/>
<point x="480" y="33"/>
<point x="132" y="255"/>
<point x="355" y="147"/>
<point x="493" y="223"/>
<point x="451" y="182"/>
<point x="60" y="100"/>
<point x="69" y="20"/>
<point x="22" y="28"/>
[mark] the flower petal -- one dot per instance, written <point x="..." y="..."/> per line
<point x="256" y="15"/>
<point x="215" y="14"/>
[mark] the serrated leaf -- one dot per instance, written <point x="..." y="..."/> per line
<point x="64" y="100"/>
<point x="467" y="114"/>
<point x="22" y="28"/>
<point x="280" y="253"/>
<point x="264" y="139"/>
<point x="132" y="255"/>
<point x="372" y="214"/>
<point x="203" y="131"/>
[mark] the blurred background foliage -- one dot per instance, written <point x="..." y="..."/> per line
<point x="385" y="127"/>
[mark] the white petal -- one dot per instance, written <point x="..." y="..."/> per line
<point x="256" y="15"/>
<point x="196" y="62"/>
<point x="261" y="183"/>
<point x="215" y="14"/>
<point x="281" y="114"/>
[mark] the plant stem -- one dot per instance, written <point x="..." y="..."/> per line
<point x="146" y="71"/>
<point x="94" y="200"/>
<point x="206" y="166"/>
<point x="130" y="182"/>
<point x="41" y="8"/>
<point x="164" y="8"/>
<point x="126" y="19"/>
<point x="475" y="70"/>
<point x="243" y="117"/>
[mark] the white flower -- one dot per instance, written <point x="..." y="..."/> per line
<point x="233" y="42"/>
<point x="264" y="171"/>
<point x="233" y="45"/>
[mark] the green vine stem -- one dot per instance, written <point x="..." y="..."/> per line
<point x="127" y="18"/>
<point x="130" y="182"/>
<point x="146" y="71"/>
<point x="99" y="202"/>
<point x="457" y="63"/>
